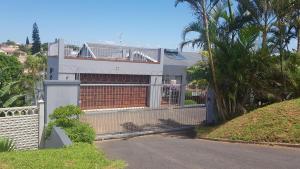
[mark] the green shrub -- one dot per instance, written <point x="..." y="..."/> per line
<point x="189" y="102"/>
<point x="6" y="144"/>
<point x="81" y="132"/>
<point x="67" y="117"/>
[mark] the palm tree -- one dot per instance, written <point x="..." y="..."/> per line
<point x="194" y="27"/>
<point x="281" y="32"/>
<point x="295" y="21"/>
<point x="202" y="10"/>
<point x="261" y="15"/>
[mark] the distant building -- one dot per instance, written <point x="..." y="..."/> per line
<point x="9" y="49"/>
<point x="13" y="50"/>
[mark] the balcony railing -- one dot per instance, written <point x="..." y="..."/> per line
<point x="111" y="53"/>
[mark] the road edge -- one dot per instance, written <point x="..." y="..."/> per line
<point x="252" y="142"/>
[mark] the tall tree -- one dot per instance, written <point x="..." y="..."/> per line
<point x="261" y="14"/>
<point x="202" y="10"/>
<point x="295" y="21"/>
<point x="36" y="42"/>
<point x="27" y="41"/>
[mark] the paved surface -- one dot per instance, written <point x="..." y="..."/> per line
<point x="174" y="151"/>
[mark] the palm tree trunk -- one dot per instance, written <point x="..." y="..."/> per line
<point x="265" y="25"/>
<point x="298" y="31"/>
<point x="265" y="33"/>
<point x="211" y="62"/>
<point x="281" y="35"/>
<point x="298" y="40"/>
<point x="231" y="17"/>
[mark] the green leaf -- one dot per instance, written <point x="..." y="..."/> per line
<point x="6" y="144"/>
<point x="7" y="88"/>
<point x="11" y="100"/>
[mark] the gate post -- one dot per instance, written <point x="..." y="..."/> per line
<point x="41" y="119"/>
<point x="155" y="91"/>
<point x="60" y="93"/>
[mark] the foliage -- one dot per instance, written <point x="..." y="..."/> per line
<point x="27" y="41"/>
<point x="189" y="102"/>
<point x="77" y="156"/>
<point x="67" y="117"/>
<point x="9" y="42"/>
<point x="36" y="42"/>
<point x="279" y="122"/>
<point x="44" y="47"/>
<point x="6" y="144"/>
<point x="35" y="67"/>
<point x="18" y="81"/>
<point x="25" y="49"/>
<point x="247" y="46"/>
<point x="11" y="87"/>
<point x="81" y="132"/>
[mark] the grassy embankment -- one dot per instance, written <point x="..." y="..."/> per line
<point x="279" y="122"/>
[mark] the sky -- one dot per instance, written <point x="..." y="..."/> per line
<point x="142" y="23"/>
<point x="147" y="23"/>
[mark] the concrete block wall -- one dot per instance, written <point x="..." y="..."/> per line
<point x="24" y="125"/>
<point x="22" y="129"/>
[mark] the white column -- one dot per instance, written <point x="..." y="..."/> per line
<point x="155" y="91"/>
<point x="41" y="107"/>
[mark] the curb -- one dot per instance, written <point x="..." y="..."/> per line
<point x="253" y="142"/>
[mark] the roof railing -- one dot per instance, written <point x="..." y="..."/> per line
<point x="111" y="52"/>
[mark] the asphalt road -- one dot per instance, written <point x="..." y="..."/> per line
<point x="175" y="151"/>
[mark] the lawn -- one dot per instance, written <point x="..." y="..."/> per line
<point x="279" y="122"/>
<point x="78" y="156"/>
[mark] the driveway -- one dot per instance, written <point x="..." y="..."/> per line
<point x="176" y="151"/>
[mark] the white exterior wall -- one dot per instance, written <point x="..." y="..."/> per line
<point x="73" y="66"/>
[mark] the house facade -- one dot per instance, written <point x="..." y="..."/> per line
<point x="135" y="75"/>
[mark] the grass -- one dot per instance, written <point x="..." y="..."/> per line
<point x="189" y="102"/>
<point x="279" y="122"/>
<point x="77" y="156"/>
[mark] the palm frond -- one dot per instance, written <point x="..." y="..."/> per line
<point x="192" y="27"/>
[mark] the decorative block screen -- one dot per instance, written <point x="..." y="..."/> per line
<point x="113" y="96"/>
